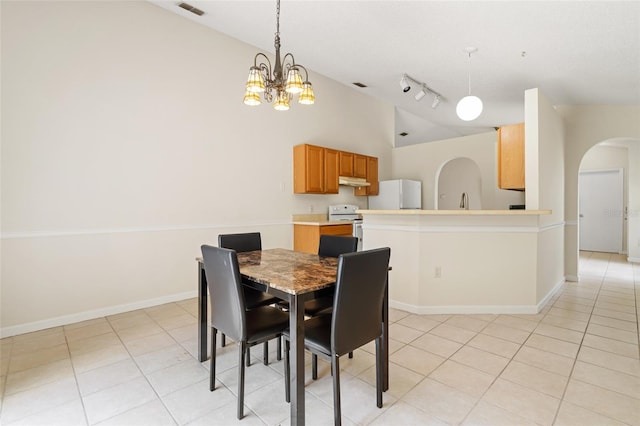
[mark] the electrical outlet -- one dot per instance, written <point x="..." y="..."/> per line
<point x="438" y="272"/>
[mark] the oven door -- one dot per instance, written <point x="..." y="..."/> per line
<point x="357" y="232"/>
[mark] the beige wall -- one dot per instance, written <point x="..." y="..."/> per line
<point x="126" y="145"/>
<point x="585" y="127"/>
<point x="424" y="161"/>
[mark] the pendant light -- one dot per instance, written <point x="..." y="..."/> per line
<point x="470" y="107"/>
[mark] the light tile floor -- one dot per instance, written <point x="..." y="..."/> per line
<point x="575" y="363"/>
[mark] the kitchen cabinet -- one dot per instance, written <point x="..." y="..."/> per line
<point x="308" y="169"/>
<point x="372" y="178"/>
<point x="306" y="238"/>
<point x="346" y="164"/>
<point x="360" y="166"/>
<point x="511" y="157"/>
<point x="331" y="168"/>
<point x="316" y="170"/>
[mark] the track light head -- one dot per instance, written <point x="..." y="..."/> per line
<point x="404" y="84"/>
<point x="436" y="102"/>
<point x="421" y="94"/>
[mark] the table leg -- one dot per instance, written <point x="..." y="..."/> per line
<point x="385" y="337"/>
<point x="296" y="326"/>
<point x="202" y="313"/>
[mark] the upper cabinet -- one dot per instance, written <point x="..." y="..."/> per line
<point x="331" y="169"/>
<point x="511" y="157"/>
<point x="372" y="178"/>
<point x="360" y="166"/>
<point x="316" y="170"/>
<point x="308" y="169"/>
<point x="346" y="164"/>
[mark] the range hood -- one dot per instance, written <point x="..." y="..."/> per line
<point x="352" y="181"/>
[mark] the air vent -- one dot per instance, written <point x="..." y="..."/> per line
<point x="403" y="134"/>
<point x="359" y="84"/>
<point x="191" y="9"/>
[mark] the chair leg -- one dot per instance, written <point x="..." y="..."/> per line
<point x="243" y="348"/>
<point x="287" y="372"/>
<point x="314" y="366"/>
<point x="248" y="356"/>
<point x="379" y="372"/>
<point x="212" y="367"/>
<point x="265" y="353"/>
<point x="279" y="349"/>
<point x="223" y="340"/>
<point x="337" y="412"/>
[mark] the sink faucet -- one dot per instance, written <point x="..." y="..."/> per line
<point x="464" y="201"/>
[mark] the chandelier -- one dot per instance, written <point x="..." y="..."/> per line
<point x="267" y="80"/>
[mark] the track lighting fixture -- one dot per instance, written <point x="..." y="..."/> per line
<point x="436" y="102"/>
<point x="406" y="82"/>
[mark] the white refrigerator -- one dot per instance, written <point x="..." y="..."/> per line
<point x="397" y="194"/>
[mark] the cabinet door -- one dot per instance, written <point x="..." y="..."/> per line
<point x="360" y="166"/>
<point x="372" y="178"/>
<point x="308" y="169"/>
<point x="346" y="164"/>
<point x="511" y="157"/>
<point x="331" y="166"/>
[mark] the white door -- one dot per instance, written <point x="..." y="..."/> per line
<point x="601" y="210"/>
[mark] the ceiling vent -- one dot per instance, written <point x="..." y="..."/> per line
<point x="191" y="9"/>
<point x="403" y="134"/>
<point x="359" y="84"/>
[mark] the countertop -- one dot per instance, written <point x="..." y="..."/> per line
<point x="456" y="212"/>
<point x="317" y="220"/>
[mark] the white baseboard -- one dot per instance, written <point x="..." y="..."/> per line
<point x="477" y="309"/>
<point x="465" y="309"/>
<point x="96" y="313"/>
<point x="633" y="259"/>
<point x="573" y="278"/>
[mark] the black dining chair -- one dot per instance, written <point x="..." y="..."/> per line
<point x="356" y="318"/>
<point x="330" y="246"/>
<point x="230" y="315"/>
<point x="249" y="241"/>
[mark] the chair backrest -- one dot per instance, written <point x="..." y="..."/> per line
<point x="357" y="306"/>
<point x="225" y="292"/>
<point x="249" y="241"/>
<point x="335" y="245"/>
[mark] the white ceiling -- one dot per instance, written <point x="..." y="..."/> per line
<point x="577" y="53"/>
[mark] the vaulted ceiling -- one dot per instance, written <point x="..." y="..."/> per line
<point x="577" y="53"/>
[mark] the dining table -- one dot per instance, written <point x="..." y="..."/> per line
<point x="295" y="277"/>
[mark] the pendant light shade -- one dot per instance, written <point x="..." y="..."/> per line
<point x="470" y="107"/>
<point x="282" y="101"/>
<point x="307" y="97"/>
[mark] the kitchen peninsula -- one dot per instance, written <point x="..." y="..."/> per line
<point x="466" y="261"/>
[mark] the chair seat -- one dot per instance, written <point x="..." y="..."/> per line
<point x="314" y="307"/>
<point x="265" y="321"/>
<point x="317" y="334"/>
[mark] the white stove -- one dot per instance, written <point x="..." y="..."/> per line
<point x="347" y="212"/>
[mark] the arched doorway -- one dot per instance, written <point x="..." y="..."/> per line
<point x="605" y="158"/>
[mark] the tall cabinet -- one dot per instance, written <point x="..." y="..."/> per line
<point x="511" y="157"/>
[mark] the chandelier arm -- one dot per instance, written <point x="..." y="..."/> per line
<point x="306" y="73"/>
